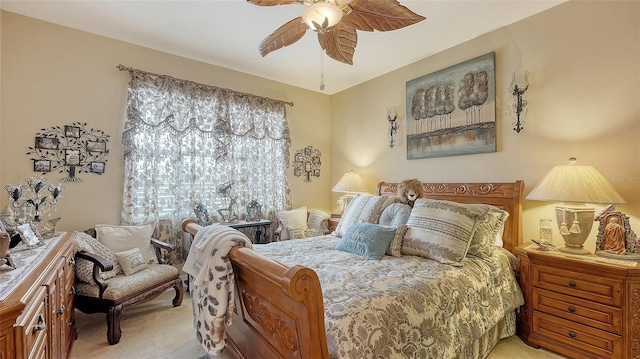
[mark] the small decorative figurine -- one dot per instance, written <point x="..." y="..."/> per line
<point x="615" y="238"/>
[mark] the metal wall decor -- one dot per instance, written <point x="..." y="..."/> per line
<point x="72" y="148"/>
<point x="307" y="163"/>
<point x="519" y="85"/>
<point x="392" y="117"/>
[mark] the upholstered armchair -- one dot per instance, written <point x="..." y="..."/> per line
<point x="109" y="281"/>
<point x="300" y="223"/>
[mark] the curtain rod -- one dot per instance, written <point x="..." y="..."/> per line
<point x="130" y="69"/>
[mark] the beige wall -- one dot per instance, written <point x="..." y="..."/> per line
<point x="53" y="75"/>
<point x="583" y="101"/>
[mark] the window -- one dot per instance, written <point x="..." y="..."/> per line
<point x="183" y="140"/>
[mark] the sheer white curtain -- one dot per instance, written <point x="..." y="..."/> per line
<point x="183" y="140"/>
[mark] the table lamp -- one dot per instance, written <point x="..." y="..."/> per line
<point x="350" y="183"/>
<point x="575" y="185"/>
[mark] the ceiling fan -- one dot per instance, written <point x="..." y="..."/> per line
<point x="336" y="22"/>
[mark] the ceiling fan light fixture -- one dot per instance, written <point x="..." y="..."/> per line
<point x="322" y="16"/>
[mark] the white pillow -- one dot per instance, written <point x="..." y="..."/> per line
<point x="296" y="218"/>
<point x="124" y="238"/>
<point x="131" y="261"/>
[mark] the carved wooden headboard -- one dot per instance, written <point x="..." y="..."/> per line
<point x="505" y="195"/>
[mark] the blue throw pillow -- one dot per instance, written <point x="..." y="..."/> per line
<point x="366" y="239"/>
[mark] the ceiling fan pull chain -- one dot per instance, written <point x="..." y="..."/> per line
<point x="321" y="70"/>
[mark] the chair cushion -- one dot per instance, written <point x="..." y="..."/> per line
<point x="123" y="285"/>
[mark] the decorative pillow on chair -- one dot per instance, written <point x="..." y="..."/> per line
<point x="315" y="223"/>
<point x="84" y="268"/>
<point x="489" y="227"/>
<point x="295" y="218"/>
<point x="441" y="230"/>
<point x="131" y="261"/>
<point x="295" y="232"/>
<point x="123" y="238"/>
<point x="366" y="239"/>
<point x="361" y="209"/>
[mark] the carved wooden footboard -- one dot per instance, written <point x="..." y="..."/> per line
<point x="279" y="311"/>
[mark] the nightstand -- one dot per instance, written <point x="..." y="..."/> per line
<point x="333" y="222"/>
<point x="579" y="306"/>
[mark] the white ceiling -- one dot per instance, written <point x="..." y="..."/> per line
<point x="227" y="33"/>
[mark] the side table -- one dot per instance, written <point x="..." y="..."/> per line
<point x="579" y="306"/>
<point x="261" y="230"/>
<point x="333" y="222"/>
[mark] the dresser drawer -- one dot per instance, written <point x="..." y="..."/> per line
<point x="579" y="310"/>
<point x="560" y="333"/>
<point x="589" y="287"/>
<point x="31" y="324"/>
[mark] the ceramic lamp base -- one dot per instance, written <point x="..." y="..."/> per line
<point x="574" y="250"/>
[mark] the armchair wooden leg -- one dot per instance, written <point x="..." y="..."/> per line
<point x="113" y="324"/>
<point x="177" y="300"/>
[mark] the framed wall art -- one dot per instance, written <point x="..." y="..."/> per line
<point x="46" y="143"/>
<point x="452" y="111"/>
<point x="42" y="166"/>
<point x="97" y="167"/>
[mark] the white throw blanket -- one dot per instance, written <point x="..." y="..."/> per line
<point x="213" y="283"/>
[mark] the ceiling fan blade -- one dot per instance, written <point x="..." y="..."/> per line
<point x="369" y="15"/>
<point x="285" y="35"/>
<point x="339" y="43"/>
<point x="273" y="2"/>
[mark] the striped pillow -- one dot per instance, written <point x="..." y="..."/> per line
<point x="361" y="209"/>
<point x="441" y="230"/>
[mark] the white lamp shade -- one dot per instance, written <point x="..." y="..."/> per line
<point x="574" y="183"/>
<point x="350" y="182"/>
<point x="322" y="16"/>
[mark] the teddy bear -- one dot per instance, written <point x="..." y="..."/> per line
<point x="409" y="190"/>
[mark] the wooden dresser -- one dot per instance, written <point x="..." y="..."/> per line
<point x="582" y="307"/>
<point x="36" y="302"/>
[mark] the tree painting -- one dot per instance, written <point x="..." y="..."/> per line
<point x="73" y="149"/>
<point x="452" y="111"/>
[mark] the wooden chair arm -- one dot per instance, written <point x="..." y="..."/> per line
<point x="163" y="245"/>
<point x="158" y="246"/>
<point x="99" y="265"/>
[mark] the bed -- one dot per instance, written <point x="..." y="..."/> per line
<point x="304" y="299"/>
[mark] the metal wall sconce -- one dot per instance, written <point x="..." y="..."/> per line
<point x="519" y="85"/>
<point x="392" y="116"/>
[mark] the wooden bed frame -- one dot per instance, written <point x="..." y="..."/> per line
<point x="279" y="311"/>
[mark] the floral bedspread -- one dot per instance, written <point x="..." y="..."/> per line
<point x="402" y="307"/>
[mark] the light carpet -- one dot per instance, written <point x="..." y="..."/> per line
<point x="158" y="330"/>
